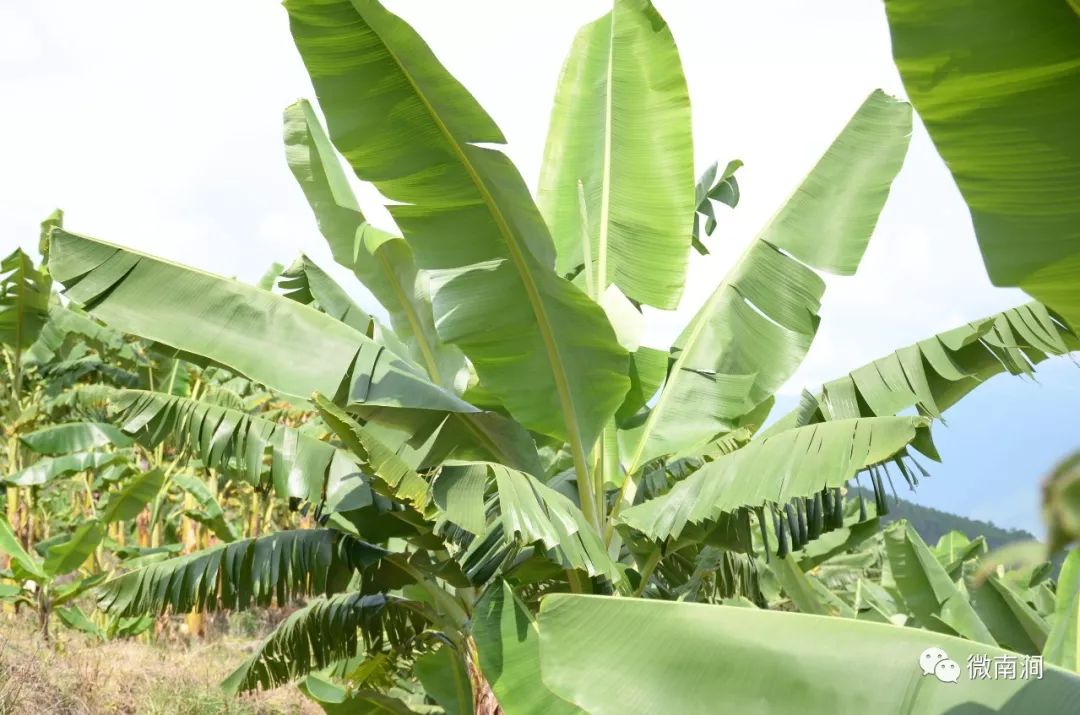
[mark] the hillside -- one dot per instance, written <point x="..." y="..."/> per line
<point x="932" y="524"/>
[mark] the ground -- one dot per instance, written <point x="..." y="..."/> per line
<point x="76" y="676"/>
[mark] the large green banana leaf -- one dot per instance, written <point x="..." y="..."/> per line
<point x="404" y="123"/>
<point x="1010" y="619"/>
<point x="24" y="301"/>
<point x="928" y="593"/>
<point x="74" y="437"/>
<point x="49" y="468"/>
<point x="381" y="261"/>
<point x="508" y="646"/>
<point x="620" y="128"/>
<point x="756" y="328"/>
<point x="1063" y="643"/>
<point x="794" y="463"/>
<point x="446" y="680"/>
<point x="935" y="373"/>
<point x="997" y="84"/>
<point x="647" y="657"/>
<point x="289" y="347"/>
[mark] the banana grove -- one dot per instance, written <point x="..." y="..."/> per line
<point x="499" y="499"/>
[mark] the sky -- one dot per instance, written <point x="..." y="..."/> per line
<point x="158" y="127"/>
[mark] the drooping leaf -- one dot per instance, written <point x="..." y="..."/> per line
<point x="405" y="124"/>
<point x="515" y="511"/>
<point x="669" y="662"/>
<point x="793" y="463"/>
<point x="282" y="566"/>
<point x="234" y="442"/>
<point x="324" y="631"/>
<point x="934" y="374"/>
<point x="425" y="439"/>
<point x="997" y="87"/>
<point x="620" y="126"/>
<point x="402" y="480"/>
<point x="259" y="334"/>
<point x="460" y="493"/>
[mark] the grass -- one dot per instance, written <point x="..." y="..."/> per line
<point x="77" y="676"/>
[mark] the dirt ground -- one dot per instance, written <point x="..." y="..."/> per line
<point x="76" y="675"/>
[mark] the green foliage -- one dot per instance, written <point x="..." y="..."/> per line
<point x="323" y="632"/>
<point x="999" y="124"/>
<point x="509" y="437"/>
<point x="281" y="566"/>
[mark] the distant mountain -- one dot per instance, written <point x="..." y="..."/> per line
<point x="932" y="523"/>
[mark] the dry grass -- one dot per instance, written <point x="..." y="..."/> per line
<point x="77" y="676"/>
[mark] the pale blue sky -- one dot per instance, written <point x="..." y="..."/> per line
<point x="158" y="127"/>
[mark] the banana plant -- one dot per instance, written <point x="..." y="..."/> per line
<point x="508" y="438"/>
<point x="48" y="583"/>
<point x="24" y="304"/>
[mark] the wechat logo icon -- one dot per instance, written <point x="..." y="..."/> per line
<point x="936" y="662"/>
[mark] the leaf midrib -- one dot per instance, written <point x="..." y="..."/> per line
<point x="411" y="317"/>
<point x="605" y="185"/>
<point x="518" y="259"/>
